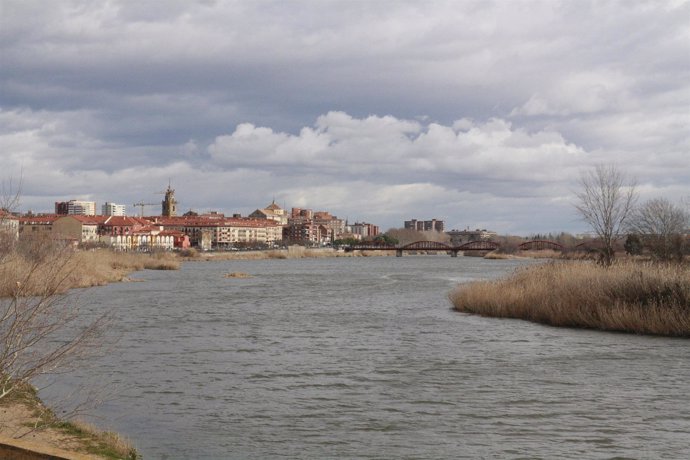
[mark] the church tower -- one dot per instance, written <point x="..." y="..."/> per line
<point x="169" y="203"/>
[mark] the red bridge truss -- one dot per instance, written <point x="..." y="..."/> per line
<point x="427" y="246"/>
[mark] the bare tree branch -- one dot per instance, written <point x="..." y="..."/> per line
<point x="605" y="203"/>
<point x="662" y="226"/>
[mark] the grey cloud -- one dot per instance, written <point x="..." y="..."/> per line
<point x="354" y="100"/>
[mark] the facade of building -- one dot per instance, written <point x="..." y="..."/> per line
<point x="308" y="227"/>
<point x="113" y="209"/>
<point x="273" y="212"/>
<point x="37" y="225"/>
<point x="306" y="233"/>
<point x="424" y="225"/>
<point x="9" y="224"/>
<point x="75" y="208"/>
<point x="78" y="229"/>
<point x="223" y="233"/>
<point x="364" y="230"/>
<point x="145" y="239"/>
<point x="459" y="237"/>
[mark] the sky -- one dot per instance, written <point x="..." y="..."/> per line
<point x="484" y="114"/>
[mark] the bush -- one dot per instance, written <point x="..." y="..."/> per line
<point x="632" y="297"/>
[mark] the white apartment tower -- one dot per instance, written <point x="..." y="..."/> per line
<point x="113" y="209"/>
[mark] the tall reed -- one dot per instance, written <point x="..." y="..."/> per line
<point x="634" y="297"/>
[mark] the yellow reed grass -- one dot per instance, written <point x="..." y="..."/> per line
<point x="634" y="297"/>
<point x="60" y="270"/>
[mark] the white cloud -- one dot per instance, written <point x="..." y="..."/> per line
<point x="386" y="147"/>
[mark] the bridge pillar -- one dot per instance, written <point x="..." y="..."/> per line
<point x="453" y="253"/>
<point x="398" y="253"/>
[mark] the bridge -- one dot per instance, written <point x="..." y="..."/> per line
<point x="481" y="245"/>
<point x="539" y="245"/>
<point x="427" y="246"/>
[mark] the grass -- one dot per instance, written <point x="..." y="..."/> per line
<point x="74" y="268"/>
<point x="84" y="438"/>
<point x="292" y="252"/>
<point x="635" y="297"/>
<point x="102" y="443"/>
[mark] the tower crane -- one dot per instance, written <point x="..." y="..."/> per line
<point x="141" y="204"/>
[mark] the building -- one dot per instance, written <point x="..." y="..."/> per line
<point x="459" y="237"/>
<point x="9" y="224"/>
<point x="169" y="203"/>
<point x="75" y="208"/>
<point x="112" y="209"/>
<point x="306" y="233"/>
<point x="78" y="229"/>
<point x="364" y="230"/>
<point x="308" y="227"/>
<point x="424" y="225"/>
<point x="273" y="212"/>
<point x="216" y="232"/>
<point x="36" y="225"/>
<point x="146" y="238"/>
<point x="118" y="232"/>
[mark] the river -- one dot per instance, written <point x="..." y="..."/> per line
<point x="364" y="358"/>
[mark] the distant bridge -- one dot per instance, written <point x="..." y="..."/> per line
<point x="480" y="245"/>
<point x="539" y="245"/>
<point x="427" y="246"/>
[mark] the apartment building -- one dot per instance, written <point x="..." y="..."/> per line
<point x="221" y="233"/>
<point x="364" y="230"/>
<point x="78" y="229"/>
<point x="37" y="225"/>
<point x="306" y="233"/>
<point x="113" y="209"/>
<point x="307" y="226"/>
<point x="75" y="208"/>
<point x="424" y="225"/>
<point x="458" y="237"/>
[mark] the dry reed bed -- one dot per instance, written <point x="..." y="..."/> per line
<point x="633" y="297"/>
<point x="61" y="270"/>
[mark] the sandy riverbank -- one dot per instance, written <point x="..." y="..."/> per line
<point x="27" y="424"/>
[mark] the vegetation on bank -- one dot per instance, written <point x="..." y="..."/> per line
<point x="292" y="252"/>
<point x="70" y="435"/>
<point x="637" y="297"/>
<point x="74" y="268"/>
<point x="42" y="332"/>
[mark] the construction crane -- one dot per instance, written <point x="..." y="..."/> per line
<point x="141" y="204"/>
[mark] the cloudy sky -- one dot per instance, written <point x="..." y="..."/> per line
<point x="480" y="113"/>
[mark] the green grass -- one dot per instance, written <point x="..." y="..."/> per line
<point x="106" y="444"/>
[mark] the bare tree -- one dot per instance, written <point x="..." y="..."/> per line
<point x="606" y="203"/>
<point x="42" y="330"/>
<point x="662" y="226"/>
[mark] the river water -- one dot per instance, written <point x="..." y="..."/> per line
<point x="363" y="358"/>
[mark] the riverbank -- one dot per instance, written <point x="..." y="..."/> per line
<point x="27" y="424"/>
<point x="292" y="252"/>
<point x="636" y="297"/>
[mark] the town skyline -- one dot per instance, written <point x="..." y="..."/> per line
<point x="482" y="114"/>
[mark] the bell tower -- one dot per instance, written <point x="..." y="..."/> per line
<point x="169" y="203"/>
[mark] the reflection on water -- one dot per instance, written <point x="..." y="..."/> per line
<point x="363" y="358"/>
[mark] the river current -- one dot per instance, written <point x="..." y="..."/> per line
<point x="364" y="358"/>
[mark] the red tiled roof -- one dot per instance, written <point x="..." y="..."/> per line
<point x="38" y="220"/>
<point x="198" y="221"/>
<point x="126" y="221"/>
<point x="88" y="220"/>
